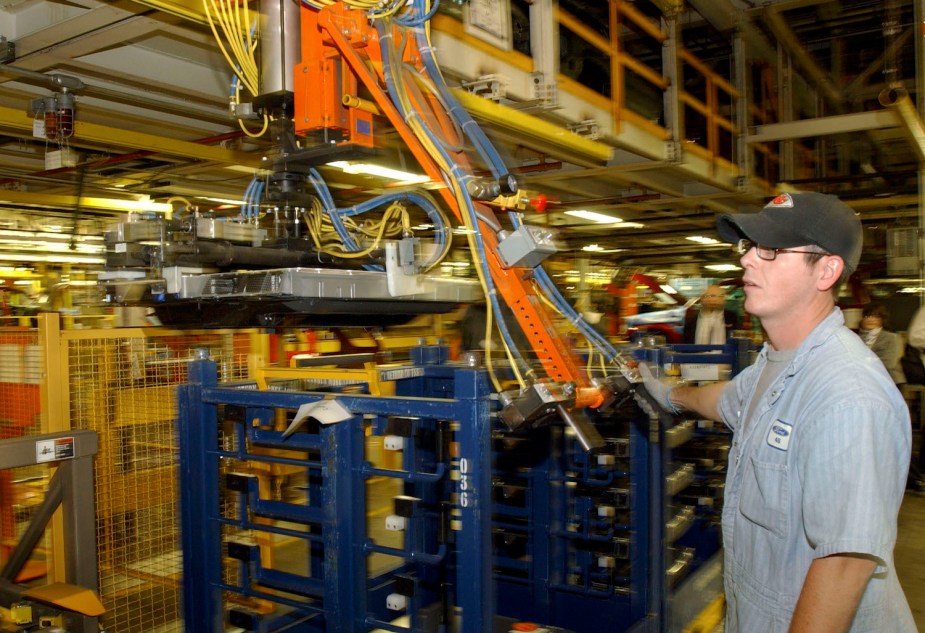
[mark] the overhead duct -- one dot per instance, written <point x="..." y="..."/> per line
<point x="897" y="100"/>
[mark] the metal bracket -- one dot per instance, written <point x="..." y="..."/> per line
<point x="589" y="128"/>
<point x="488" y="87"/>
<point x="673" y="151"/>
<point x="544" y="91"/>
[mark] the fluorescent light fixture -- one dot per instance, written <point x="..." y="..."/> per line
<point x="54" y="259"/>
<point x="700" y="239"/>
<point x="593" y="216"/>
<point x="911" y="290"/>
<point x="594" y="248"/>
<point x="722" y="268"/>
<point x="377" y="170"/>
<point x="61" y="237"/>
<point x="222" y="200"/>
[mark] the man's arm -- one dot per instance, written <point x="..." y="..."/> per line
<point x="831" y="593"/>
<point x="703" y="401"/>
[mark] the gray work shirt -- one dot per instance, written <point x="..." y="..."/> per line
<point x="819" y="469"/>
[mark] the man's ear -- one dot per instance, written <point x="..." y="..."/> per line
<point x="832" y="267"/>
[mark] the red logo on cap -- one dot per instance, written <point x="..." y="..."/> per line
<point x="783" y="200"/>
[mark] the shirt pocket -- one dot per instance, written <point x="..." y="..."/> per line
<point x="765" y="498"/>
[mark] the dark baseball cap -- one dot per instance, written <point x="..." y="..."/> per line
<point x="798" y="219"/>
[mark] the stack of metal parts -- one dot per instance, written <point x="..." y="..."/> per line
<point x="213" y="272"/>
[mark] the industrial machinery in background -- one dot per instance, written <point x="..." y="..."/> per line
<point x="557" y="508"/>
<point x="73" y="605"/>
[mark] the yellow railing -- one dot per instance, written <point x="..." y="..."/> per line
<point x="620" y="67"/>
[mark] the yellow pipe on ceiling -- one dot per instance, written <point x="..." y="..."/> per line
<point x="554" y="138"/>
<point x="897" y="100"/>
<point x="190" y="10"/>
<point x="93" y="133"/>
<point x="51" y="200"/>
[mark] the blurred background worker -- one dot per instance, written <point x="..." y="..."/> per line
<point x="712" y="323"/>
<point x="887" y="345"/>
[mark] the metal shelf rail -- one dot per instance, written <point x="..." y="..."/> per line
<point x="687" y="475"/>
<point x="571" y="542"/>
<point x="445" y="513"/>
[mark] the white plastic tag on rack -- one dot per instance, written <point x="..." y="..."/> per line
<point x="325" y="411"/>
<point x="400" y="283"/>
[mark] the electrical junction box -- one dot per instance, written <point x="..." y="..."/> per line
<point x="60" y="158"/>
<point x="527" y="247"/>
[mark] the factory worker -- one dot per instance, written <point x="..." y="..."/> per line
<point x="821" y="436"/>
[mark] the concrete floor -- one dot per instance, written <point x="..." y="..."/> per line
<point x="909" y="554"/>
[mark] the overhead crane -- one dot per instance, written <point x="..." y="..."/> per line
<point x="358" y="70"/>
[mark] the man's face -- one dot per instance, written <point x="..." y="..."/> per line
<point x="713" y="299"/>
<point x="775" y="289"/>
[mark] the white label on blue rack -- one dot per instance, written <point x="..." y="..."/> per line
<point x="779" y="435"/>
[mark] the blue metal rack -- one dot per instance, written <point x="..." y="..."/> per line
<point x="686" y="495"/>
<point x="571" y="545"/>
<point x="224" y="430"/>
<point x="498" y="526"/>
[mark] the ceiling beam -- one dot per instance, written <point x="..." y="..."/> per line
<point x="20" y="122"/>
<point x="824" y="126"/>
<point x="47" y="200"/>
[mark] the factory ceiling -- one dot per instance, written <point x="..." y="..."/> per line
<point x="818" y="103"/>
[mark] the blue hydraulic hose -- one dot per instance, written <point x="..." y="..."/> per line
<point x="327" y="202"/>
<point x="425" y="203"/>
<point x="549" y="289"/>
<point x="481" y="142"/>
<point x="335" y="213"/>
<point x="460" y="177"/>
<point x="245" y="206"/>
<point x="409" y="19"/>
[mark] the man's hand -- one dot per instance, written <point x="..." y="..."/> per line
<point x="658" y="391"/>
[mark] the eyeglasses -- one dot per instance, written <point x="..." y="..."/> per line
<point x="767" y="253"/>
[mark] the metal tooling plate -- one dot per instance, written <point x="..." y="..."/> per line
<point x="323" y="283"/>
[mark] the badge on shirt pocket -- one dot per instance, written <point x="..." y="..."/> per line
<point x="779" y="435"/>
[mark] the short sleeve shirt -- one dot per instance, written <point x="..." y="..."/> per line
<point x="819" y="469"/>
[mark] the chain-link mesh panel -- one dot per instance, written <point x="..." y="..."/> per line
<point x="21" y="489"/>
<point x="123" y="387"/>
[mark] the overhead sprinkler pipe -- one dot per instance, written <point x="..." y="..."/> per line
<point x="898" y="100"/>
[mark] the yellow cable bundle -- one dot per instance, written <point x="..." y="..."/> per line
<point x="414" y="121"/>
<point x="234" y="25"/>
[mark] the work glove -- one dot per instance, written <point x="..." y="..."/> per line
<point x="658" y="391"/>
